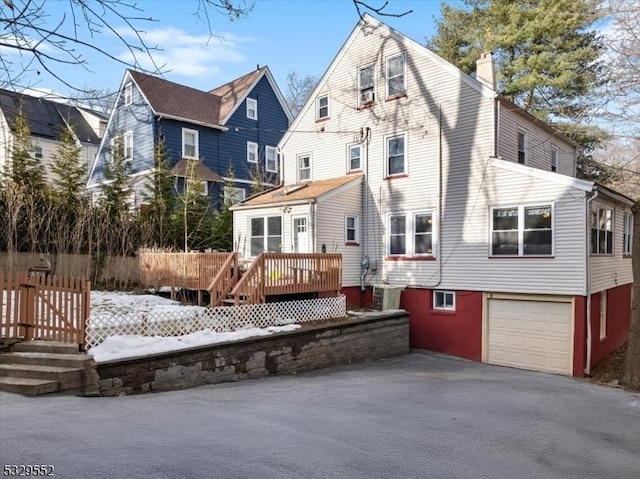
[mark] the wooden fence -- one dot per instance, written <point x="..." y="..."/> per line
<point x="38" y="306"/>
<point x="180" y="270"/>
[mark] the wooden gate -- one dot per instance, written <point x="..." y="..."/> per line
<point x="37" y="306"/>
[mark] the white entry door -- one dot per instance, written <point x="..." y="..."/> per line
<point x="300" y="234"/>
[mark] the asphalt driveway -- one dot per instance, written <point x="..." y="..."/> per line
<point x="418" y="416"/>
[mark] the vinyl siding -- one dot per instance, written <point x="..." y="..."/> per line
<point x="611" y="271"/>
<point x="331" y="212"/>
<point x="242" y="218"/>
<point x="539" y="145"/>
<point x="137" y="118"/>
<point x="267" y="130"/>
<point x="6" y="140"/>
<point x="50" y="149"/>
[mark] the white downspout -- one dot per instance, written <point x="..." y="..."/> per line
<point x="587" y="369"/>
<point x="439" y="202"/>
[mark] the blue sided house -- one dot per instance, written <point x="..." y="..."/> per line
<point x="231" y="132"/>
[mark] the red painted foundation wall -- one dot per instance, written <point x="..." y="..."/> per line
<point x="458" y="332"/>
<point x="356" y="298"/>
<point x="618" y="320"/>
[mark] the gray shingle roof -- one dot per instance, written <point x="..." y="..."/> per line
<point x="46" y="118"/>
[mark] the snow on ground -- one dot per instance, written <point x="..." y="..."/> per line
<point x="127" y="307"/>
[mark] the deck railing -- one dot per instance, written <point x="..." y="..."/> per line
<point x="224" y="281"/>
<point x="38" y="306"/>
<point x="289" y="273"/>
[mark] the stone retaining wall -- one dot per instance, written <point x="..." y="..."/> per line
<point x="368" y="337"/>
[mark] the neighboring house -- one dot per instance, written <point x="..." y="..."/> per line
<point x="233" y="128"/>
<point x="423" y="177"/>
<point x="47" y="119"/>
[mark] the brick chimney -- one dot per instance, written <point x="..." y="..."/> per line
<point x="485" y="70"/>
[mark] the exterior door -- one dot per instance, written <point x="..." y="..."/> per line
<point x="300" y="234"/>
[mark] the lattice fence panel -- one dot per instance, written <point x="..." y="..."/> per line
<point x="189" y="319"/>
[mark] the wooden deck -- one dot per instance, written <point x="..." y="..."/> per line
<point x="270" y="274"/>
<point x="289" y="274"/>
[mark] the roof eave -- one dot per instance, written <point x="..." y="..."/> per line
<point x="164" y="116"/>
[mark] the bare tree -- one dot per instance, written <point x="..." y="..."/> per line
<point x="51" y="43"/>
<point x="624" y="88"/>
<point x="298" y="89"/>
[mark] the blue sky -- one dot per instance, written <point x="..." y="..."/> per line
<point x="299" y="35"/>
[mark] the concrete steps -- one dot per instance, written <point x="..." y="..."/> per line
<point x="43" y="367"/>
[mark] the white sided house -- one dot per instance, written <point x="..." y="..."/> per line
<point x="47" y="119"/>
<point x="425" y="178"/>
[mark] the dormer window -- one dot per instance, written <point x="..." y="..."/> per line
<point x="128" y="94"/>
<point x="322" y="104"/>
<point x="366" y="85"/>
<point x="252" y="109"/>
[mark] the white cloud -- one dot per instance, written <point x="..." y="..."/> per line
<point x="187" y="55"/>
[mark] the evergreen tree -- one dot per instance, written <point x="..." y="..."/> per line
<point x="115" y="189"/>
<point x="159" y="199"/>
<point x="69" y="172"/>
<point x="548" y="59"/>
<point x="222" y="237"/>
<point x="25" y="170"/>
<point x="193" y="216"/>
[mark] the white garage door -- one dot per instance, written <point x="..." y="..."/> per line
<point x="530" y="334"/>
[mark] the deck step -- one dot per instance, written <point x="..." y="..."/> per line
<point x="39" y="346"/>
<point x="28" y="386"/>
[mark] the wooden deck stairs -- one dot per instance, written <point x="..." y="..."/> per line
<point x="38" y="367"/>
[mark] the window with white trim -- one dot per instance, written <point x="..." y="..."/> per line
<point x="197" y="185"/>
<point x="190" y="145"/>
<point x="395" y="76"/>
<point x="603" y="315"/>
<point x="522" y="231"/>
<point x="271" y="159"/>
<point x="265" y="234"/>
<point x="396" y="157"/>
<point x="522" y="147"/>
<point x="37" y="152"/>
<point x="445" y="300"/>
<point x="252" y="109"/>
<point x="366" y="85"/>
<point x="627" y="236"/>
<point x="233" y="195"/>
<point x="554" y="159"/>
<point x="355" y="157"/>
<point x="304" y="167"/>
<point x="410" y="234"/>
<point x="352" y="229"/>
<point x="252" y="152"/>
<point x="601" y="229"/>
<point x="128" y="94"/>
<point x="128" y="146"/>
<point x="322" y="106"/>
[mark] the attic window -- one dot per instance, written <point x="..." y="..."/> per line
<point x="366" y="85"/>
<point x="128" y="94"/>
<point x="294" y="188"/>
<point x="252" y="109"/>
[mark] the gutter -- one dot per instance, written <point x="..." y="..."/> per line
<point x="587" y="368"/>
<point x="273" y="204"/>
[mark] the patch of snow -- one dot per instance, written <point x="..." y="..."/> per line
<point x="128" y="346"/>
